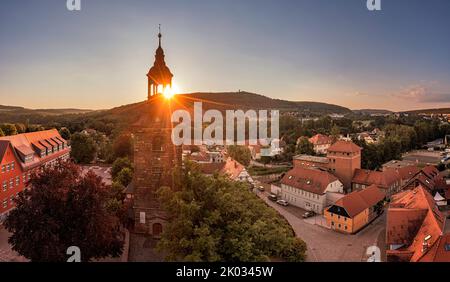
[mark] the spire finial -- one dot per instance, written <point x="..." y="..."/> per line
<point x="159" y="35"/>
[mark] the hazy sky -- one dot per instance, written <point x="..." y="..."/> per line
<point x="333" y="51"/>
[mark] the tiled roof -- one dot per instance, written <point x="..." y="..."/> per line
<point x="311" y="180"/>
<point x="320" y="139"/>
<point x="25" y="143"/>
<point x="3" y="146"/>
<point x="439" y="252"/>
<point x="344" y="147"/>
<point x="357" y="201"/>
<point x="309" y="158"/>
<point x="230" y="167"/>
<point x="430" y="171"/>
<point x="383" y="179"/>
<point x="199" y="157"/>
<point x="413" y="218"/>
<point x="407" y="172"/>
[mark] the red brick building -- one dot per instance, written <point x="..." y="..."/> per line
<point x="342" y="160"/>
<point x="23" y="154"/>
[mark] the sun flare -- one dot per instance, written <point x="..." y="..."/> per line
<point x="168" y="92"/>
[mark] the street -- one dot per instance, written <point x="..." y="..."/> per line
<point x="330" y="246"/>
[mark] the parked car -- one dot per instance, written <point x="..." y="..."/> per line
<point x="282" y="202"/>
<point x="309" y="214"/>
<point x="261" y="188"/>
<point x="272" y="197"/>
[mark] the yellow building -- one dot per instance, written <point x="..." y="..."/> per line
<point x="354" y="211"/>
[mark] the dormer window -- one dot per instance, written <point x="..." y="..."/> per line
<point x="28" y="158"/>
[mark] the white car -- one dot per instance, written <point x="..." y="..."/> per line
<point x="282" y="202"/>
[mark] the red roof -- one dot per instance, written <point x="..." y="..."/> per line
<point x="230" y="167"/>
<point x="344" y="147"/>
<point x="413" y="219"/>
<point x="320" y="139"/>
<point x="358" y="201"/>
<point x="311" y="180"/>
<point x="384" y="179"/>
<point x="3" y="147"/>
<point x="24" y="143"/>
<point x="407" y="172"/>
<point x="439" y="252"/>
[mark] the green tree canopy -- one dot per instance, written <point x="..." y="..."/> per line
<point x="63" y="209"/>
<point x="125" y="176"/>
<point x="240" y="153"/>
<point x="118" y="165"/>
<point x="83" y="149"/>
<point x="123" y="146"/>
<point x="8" y="129"/>
<point x="65" y="133"/>
<point x="304" y="146"/>
<point x="215" y="219"/>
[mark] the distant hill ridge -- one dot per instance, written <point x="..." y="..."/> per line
<point x="429" y="111"/>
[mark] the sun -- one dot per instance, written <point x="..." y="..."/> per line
<point x="168" y="92"/>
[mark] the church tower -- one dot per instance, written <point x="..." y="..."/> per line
<point x="155" y="155"/>
<point x="159" y="75"/>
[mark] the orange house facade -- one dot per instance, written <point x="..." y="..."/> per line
<point x="24" y="154"/>
<point x="355" y="210"/>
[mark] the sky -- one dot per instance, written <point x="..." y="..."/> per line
<point x="333" y="51"/>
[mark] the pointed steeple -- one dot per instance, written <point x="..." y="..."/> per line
<point x="159" y="74"/>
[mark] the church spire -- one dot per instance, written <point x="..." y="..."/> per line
<point x="159" y="35"/>
<point x="159" y="74"/>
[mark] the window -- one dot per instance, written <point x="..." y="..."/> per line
<point x="11" y="183"/>
<point x="5" y="203"/>
<point x="5" y="185"/>
<point x="7" y="167"/>
<point x="11" y="200"/>
<point x="12" y="166"/>
<point x="3" y="169"/>
<point x="157" y="229"/>
<point x="17" y="180"/>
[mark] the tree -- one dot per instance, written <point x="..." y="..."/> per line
<point x="63" y="208"/>
<point x="215" y="219"/>
<point x="65" y="133"/>
<point x="20" y="127"/>
<point x="84" y="149"/>
<point x="335" y="132"/>
<point x="118" y="165"/>
<point x="123" y="146"/>
<point x="304" y="146"/>
<point x="241" y="154"/>
<point x="9" y="129"/>
<point x="125" y="176"/>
